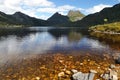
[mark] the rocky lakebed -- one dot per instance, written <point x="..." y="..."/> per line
<point x="61" y="66"/>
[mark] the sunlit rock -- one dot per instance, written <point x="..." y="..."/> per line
<point x="74" y="71"/>
<point x="68" y="72"/>
<point x="61" y="74"/>
<point x="37" y="78"/>
<point x="93" y="71"/>
<point x="112" y="66"/>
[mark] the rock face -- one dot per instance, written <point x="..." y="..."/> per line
<point x="75" y="15"/>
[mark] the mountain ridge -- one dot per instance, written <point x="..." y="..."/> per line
<point x="19" y="18"/>
<point x="58" y="19"/>
<point x="112" y="14"/>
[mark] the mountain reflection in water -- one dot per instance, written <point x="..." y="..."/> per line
<point x="50" y="40"/>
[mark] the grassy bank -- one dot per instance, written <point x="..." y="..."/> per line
<point x="107" y="28"/>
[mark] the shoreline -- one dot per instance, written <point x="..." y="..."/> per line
<point x="106" y="32"/>
<point x="49" y="66"/>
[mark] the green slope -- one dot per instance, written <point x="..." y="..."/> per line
<point x="108" y="28"/>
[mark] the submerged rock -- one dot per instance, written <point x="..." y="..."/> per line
<point x="37" y="78"/>
<point x="61" y="74"/>
<point x="84" y="76"/>
<point x="91" y="76"/>
<point x="74" y="71"/>
<point x="78" y="76"/>
<point x="105" y="76"/>
<point x="68" y="72"/>
<point x="118" y="60"/>
<point x="116" y="57"/>
<point x="93" y="71"/>
<point x="112" y="66"/>
<point x="112" y="75"/>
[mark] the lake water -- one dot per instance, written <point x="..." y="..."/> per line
<point x="42" y="40"/>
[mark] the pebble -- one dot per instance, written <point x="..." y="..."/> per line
<point x="81" y="64"/>
<point x="37" y="78"/>
<point x="114" y="77"/>
<point x="97" y="79"/>
<point x="93" y="71"/>
<point x="61" y="61"/>
<point x="112" y="66"/>
<point x="68" y="72"/>
<point x="74" y="71"/>
<point x="61" y="74"/>
<point x="105" y="76"/>
<point x="98" y="67"/>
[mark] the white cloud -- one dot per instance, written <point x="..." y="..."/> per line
<point x="61" y="9"/>
<point x="42" y="3"/>
<point x="26" y="6"/>
<point x="96" y="8"/>
<point x="33" y="7"/>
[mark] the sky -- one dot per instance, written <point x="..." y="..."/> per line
<point x="43" y="9"/>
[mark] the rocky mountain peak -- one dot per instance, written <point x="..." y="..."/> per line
<point x="75" y="15"/>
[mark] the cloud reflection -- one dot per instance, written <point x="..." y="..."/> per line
<point x="38" y="43"/>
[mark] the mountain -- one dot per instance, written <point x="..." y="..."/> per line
<point x="4" y="18"/>
<point x="58" y="19"/>
<point x="19" y="18"/>
<point x="62" y="20"/>
<point x="110" y="14"/>
<point x="27" y="20"/>
<point x="107" y="15"/>
<point x="75" y="15"/>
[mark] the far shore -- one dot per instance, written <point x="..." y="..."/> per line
<point x="105" y="32"/>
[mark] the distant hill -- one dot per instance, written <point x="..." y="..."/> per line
<point x="75" y="15"/>
<point x="74" y="18"/>
<point x="4" y="18"/>
<point x="58" y="19"/>
<point x="27" y="20"/>
<point x="20" y="19"/>
<point x="112" y="14"/>
<point x="63" y="20"/>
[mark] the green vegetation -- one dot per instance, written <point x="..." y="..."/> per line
<point x="6" y="25"/>
<point x="111" y="28"/>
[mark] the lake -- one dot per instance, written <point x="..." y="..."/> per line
<point x="26" y="53"/>
<point x="41" y="40"/>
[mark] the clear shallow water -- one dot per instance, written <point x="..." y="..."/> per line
<point x="43" y="40"/>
